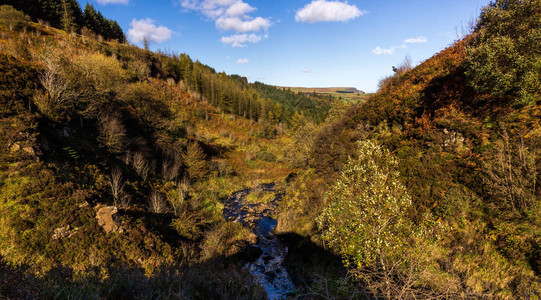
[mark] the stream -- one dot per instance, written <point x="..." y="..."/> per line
<point x="268" y="269"/>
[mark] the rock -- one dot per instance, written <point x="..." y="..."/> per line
<point x="63" y="232"/>
<point x="30" y="150"/>
<point x="106" y="218"/>
<point x="35" y="153"/>
<point x="252" y="253"/>
<point x="15" y="147"/>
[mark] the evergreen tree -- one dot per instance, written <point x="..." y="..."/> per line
<point x="68" y="19"/>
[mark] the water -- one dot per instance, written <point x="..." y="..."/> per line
<point x="268" y="269"/>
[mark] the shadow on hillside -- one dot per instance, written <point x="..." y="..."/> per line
<point x="219" y="278"/>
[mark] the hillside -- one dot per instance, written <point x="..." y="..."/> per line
<point x="350" y="94"/>
<point x="115" y="162"/>
<point x="458" y="138"/>
<point x="127" y="173"/>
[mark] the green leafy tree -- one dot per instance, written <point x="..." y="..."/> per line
<point x="367" y="221"/>
<point x="504" y="58"/>
<point x="366" y="215"/>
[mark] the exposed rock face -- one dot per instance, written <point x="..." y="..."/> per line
<point x="106" y="218"/>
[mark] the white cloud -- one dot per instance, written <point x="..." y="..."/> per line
<point x="239" y="8"/>
<point x="105" y="2"/>
<point x="306" y="71"/>
<point x="139" y="29"/>
<point x="239" y="25"/>
<point x="229" y="15"/>
<point x="240" y="40"/>
<point x="417" y="40"/>
<point x="380" y="51"/>
<point x="241" y="61"/>
<point x="387" y="51"/>
<point x="327" y="11"/>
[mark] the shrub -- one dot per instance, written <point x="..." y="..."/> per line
<point x="104" y="71"/>
<point x="266" y="156"/>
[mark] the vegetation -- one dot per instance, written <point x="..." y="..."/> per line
<point x="464" y="129"/>
<point x="86" y="125"/>
<point x="503" y="59"/>
<point x="115" y="161"/>
<point x="67" y="15"/>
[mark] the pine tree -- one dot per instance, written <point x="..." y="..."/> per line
<point x="68" y="20"/>
<point x="90" y="16"/>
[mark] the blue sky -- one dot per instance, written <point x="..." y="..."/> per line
<point x="308" y="43"/>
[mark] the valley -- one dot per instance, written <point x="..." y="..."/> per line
<point x="127" y="173"/>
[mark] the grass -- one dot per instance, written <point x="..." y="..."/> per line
<point x="348" y="94"/>
<point x="260" y="197"/>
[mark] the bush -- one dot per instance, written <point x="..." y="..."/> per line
<point x="266" y="156"/>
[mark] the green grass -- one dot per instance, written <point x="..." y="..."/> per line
<point x="348" y="94"/>
<point x="260" y="197"/>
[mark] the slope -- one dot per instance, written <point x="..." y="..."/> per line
<point x="113" y="166"/>
<point x="464" y="128"/>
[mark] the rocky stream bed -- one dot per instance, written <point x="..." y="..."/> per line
<point x="268" y="269"/>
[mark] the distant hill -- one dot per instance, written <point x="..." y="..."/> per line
<point x="346" y="93"/>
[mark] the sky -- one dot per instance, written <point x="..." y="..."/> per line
<point x="297" y="43"/>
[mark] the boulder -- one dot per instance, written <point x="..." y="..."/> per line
<point x="106" y="218"/>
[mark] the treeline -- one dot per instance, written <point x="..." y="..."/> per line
<point x="67" y="15"/>
<point x="314" y="107"/>
<point x="233" y="94"/>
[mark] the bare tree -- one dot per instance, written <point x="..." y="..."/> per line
<point x="112" y="133"/>
<point x="171" y="167"/>
<point x="157" y="205"/>
<point x="182" y="193"/>
<point x="117" y="187"/>
<point x="54" y="84"/>
<point x="140" y="164"/>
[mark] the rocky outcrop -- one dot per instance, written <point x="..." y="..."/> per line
<point x="106" y="218"/>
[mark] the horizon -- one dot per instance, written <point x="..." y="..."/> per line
<point x="300" y="43"/>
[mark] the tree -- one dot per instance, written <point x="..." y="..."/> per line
<point x="366" y="221"/>
<point x="68" y="20"/>
<point x="503" y="58"/>
<point x="12" y="18"/>
<point x="91" y="18"/>
<point x="366" y="213"/>
<point x="117" y="188"/>
<point x="194" y="158"/>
